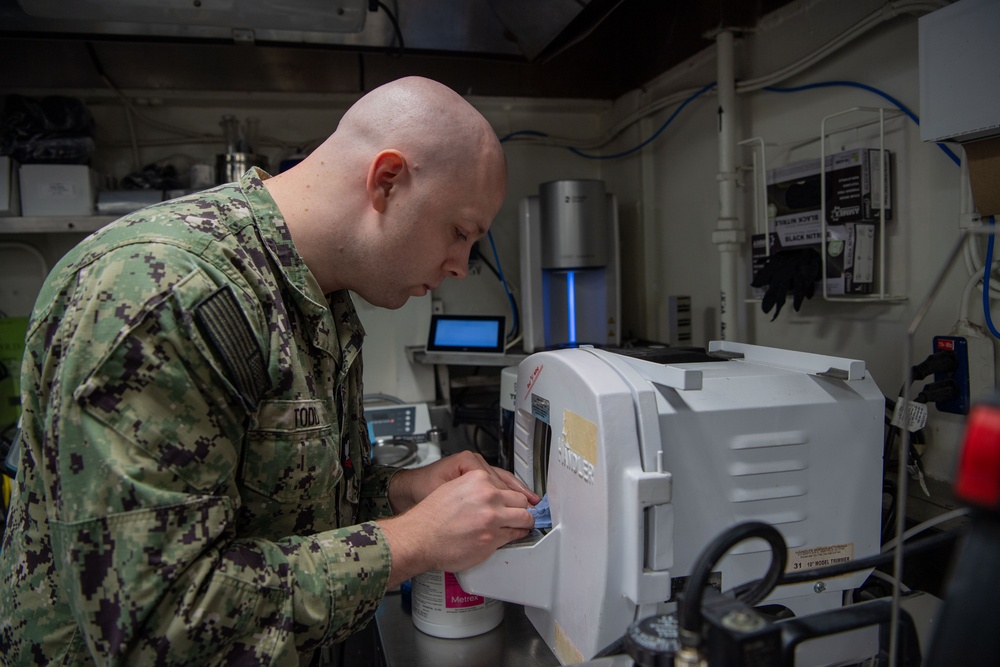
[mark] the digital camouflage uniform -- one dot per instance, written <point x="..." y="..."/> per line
<point x="195" y="459"/>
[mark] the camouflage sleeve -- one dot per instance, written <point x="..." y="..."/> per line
<point x="145" y="526"/>
<point x="374" y="496"/>
<point x="375" y="493"/>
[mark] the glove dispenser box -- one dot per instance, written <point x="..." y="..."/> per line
<point x="853" y="194"/>
<point x="850" y="255"/>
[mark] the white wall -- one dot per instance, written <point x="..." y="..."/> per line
<point x="681" y="168"/>
<point x="668" y="192"/>
<point x="290" y="121"/>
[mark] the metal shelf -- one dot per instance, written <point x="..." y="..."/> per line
<point x="417" y="354"/>
<point x="760" y="215"/>
<point x="881" y="296"/>
<point x="54" y="224"/>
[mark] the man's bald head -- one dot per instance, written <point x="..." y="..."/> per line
<point x="412" y="167"/>
<point x="435" y="127"/>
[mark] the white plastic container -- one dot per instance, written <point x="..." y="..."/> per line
<point x="440" y="607"/>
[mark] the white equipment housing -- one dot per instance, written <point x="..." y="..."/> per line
<point x="645" y="463"/>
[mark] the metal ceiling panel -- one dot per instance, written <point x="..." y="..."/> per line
<point x="533" y="24"/>
<point x="203" y="18"/>
<point x="588" y="49"/>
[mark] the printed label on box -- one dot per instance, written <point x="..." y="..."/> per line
<point x="850" y="250"/>
<point x="812" y="557"/>
<point x="851" y="190"/>
<point x="56" y="190"/>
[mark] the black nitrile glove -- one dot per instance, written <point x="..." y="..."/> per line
<point x="794" y="270"/>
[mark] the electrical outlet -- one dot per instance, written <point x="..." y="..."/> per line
<point x="974" y="374"/>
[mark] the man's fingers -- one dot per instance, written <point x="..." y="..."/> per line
<point x="502" y="479"/>
<point x="523" y="519"/>
<point x="514" y="483"/>
<point x="514" y="499"/>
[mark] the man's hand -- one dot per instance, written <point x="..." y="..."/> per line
<point x="457" y="512"/>
<point x="409" y="487"/>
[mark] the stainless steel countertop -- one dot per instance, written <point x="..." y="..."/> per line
<point x="513" y="643"/>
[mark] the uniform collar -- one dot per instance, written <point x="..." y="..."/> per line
<point x="332" y="319"/>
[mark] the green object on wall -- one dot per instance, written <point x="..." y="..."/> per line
<point x="12" y="332"/>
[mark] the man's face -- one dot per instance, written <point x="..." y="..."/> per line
<point x="430" y="235"/>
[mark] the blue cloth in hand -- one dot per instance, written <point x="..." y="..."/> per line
<point x="542" y="513"/>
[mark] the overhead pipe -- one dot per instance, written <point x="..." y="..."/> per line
<point x="729" y="235"/>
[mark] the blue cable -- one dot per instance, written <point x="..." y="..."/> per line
<point x="775" y="89"/>
<point x="825" y="84"/>
<point x="589" y="156"/>
<point x="683" y="104"/>
<point x="496" y="256"/>
<point x="503" y="281"/>
<point x="871" y="89"/>
<point x="986" y="281"/>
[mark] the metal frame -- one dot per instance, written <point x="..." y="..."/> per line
<point x="881" y="295"/>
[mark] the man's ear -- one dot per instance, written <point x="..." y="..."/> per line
<point x="384" y="173"/>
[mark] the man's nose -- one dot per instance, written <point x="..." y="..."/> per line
<point x="457" y="267"/>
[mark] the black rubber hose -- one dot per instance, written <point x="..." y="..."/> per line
<point x="689" y="607"/>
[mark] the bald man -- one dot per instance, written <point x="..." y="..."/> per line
<point x="195" y="484"/>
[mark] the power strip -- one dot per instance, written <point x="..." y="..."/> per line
<point x="974" y="373"/>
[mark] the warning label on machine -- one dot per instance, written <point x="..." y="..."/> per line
<point x="812" y="557"/>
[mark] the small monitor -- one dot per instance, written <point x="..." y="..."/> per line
<point x="466" y="333"/>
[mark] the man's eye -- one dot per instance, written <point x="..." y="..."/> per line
<point x="461" y="235"/>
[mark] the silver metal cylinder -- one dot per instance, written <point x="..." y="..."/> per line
<point x="230" y="167"/>
<point x="574" y="226"/>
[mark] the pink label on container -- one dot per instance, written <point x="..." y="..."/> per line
<point x="455" y="597"/>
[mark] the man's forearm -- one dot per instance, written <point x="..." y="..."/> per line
<point x="408" y="559"/>
<point x="400" y="492"/>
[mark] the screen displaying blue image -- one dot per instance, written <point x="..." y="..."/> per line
<point x="467" y="333"/>
<point x="470" y="333"/>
